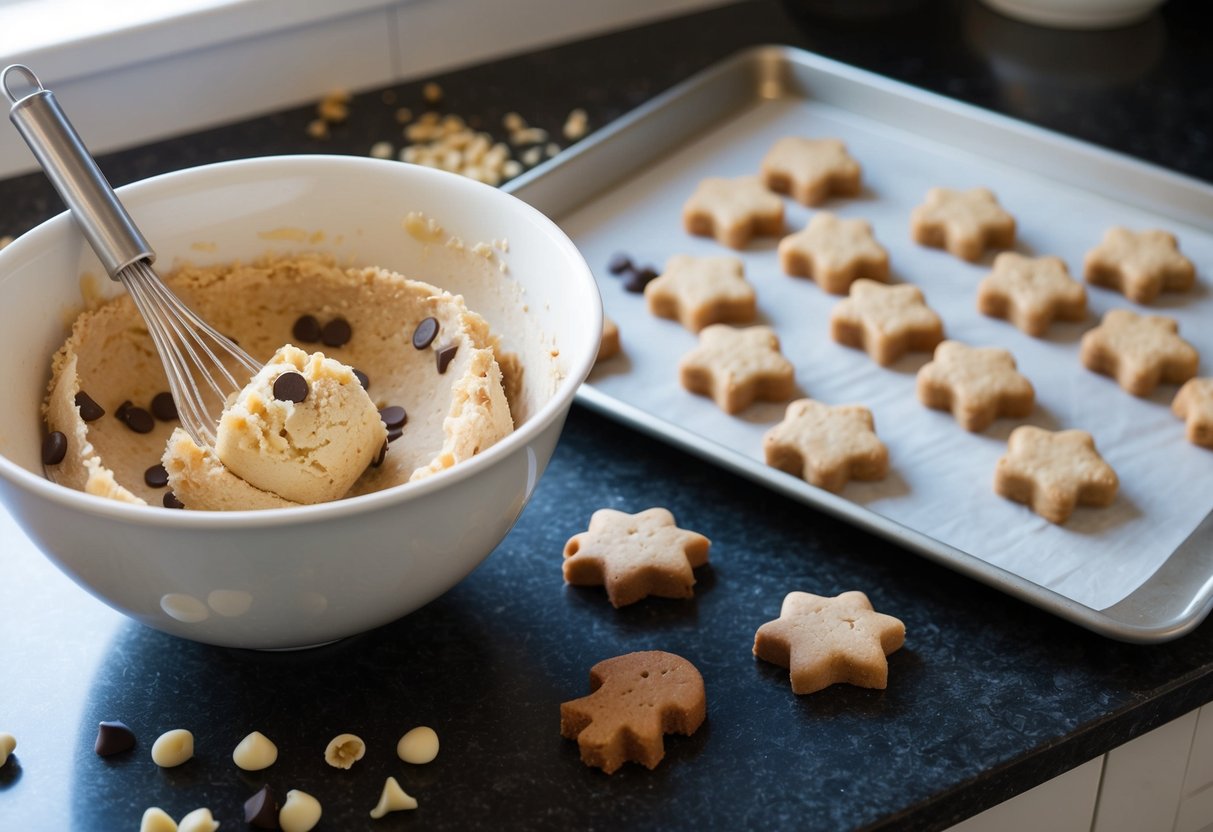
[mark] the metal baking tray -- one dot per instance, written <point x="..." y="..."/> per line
<point x="759" y="87"/>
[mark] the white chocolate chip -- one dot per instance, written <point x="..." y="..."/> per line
<point x="172" y="748"/>
<point x="531" y="156"/>
<point x="392" y="799"/>
<point x="344" y="750"/>
<point x="199" y="820"/>
<point x="255" y="752"/>
<point x="419" y="745"/>
<point x="7" y="744"/>
<point x="552" y="149"/>
<point x="513" y="122"/>
<point x="576" y="124"/>
<point x="156" y="819"/>
<point x="511" y="169"/>
<point x="300" y="812"/>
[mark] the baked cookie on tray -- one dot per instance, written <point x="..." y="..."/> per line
<point x="1031" y="292"/>
<point x="1139" y="351"/>
<point x="698" y="291"/>
<point x="734" y="211"/>
<point x="965" y="223"/>
<point x="827" y="445"/>
<point x="1139" y="264"/>
<point x="1054" y="471"/>
<point x="834" y="252"/>
<point x="977" y="384"/>
<point x="1194" y="404"/>
<point x="885" y="321"/>
<point x="811" y="170"/>
<point x="736" y="367"/>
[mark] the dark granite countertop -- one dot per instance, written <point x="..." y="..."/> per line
<point x="988" y="698"/>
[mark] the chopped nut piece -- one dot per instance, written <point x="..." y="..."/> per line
<point x="404" y="115"/>
<point x="318" y="129"/>
<point x="432" y="93"/>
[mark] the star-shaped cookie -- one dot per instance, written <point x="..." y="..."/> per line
<point x="738" y="366"/>
<point x="733" y="211"/>
<point x="826" y="445"/>
<point x="824" y="641"/>
<point x="1054" y="471"/>
<point x="635" y="556"/>
<point x="1031" y="292"/>
<point x="1139" y="351"/>
<point x="834" y="252"/>
<point x="886" y="321"/>
<point x="1194" y="404"/>
<point x="698" y="291"/>
<point x="609" y="345"/>
<point x="811" y="170"/>
<point x="965" y="223"/>
<point x="1139" y="264"/>
<point x="977" y="384"/>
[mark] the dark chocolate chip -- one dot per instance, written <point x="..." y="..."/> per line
<point x="639" y="279"/>
<point x="90" y="411"/>
<point x="171" y="501"/>
<point x="394" y="434"/>
<point x="156" y="476"/>
<point x="619" y="263"/>
<point x="113" y="738"/>
<point x="306" y="330"/>
<point x="163" y="407"/>
<point x="362" y="377"/>
<point x="261" y="810"/>
<point x="336" y="333"/>
<point x="425" y="333"/>
<point x="393" y="416"/>
<point x="445" y="356"/>
<point x="54" y="448"/>
<point x="290" y="387"/>
<point x="379" y="457"/>
<point x="135" y="418"/>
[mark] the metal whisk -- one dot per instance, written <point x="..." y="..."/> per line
<point x="203" y="366"/>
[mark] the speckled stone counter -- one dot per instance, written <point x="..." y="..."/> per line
<point x="989" y="697"/>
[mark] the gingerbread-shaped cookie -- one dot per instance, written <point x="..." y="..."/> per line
<point x="1054" y="471"/>
<point x="965" y="223"/>
<point x="1139" y="351"/>
<point x="810" y="170"/>
<point x="698" y="291"/>
<point x="635" y="555"/>
<point x="1194" y="404"/>
<point x="885" y="321"/>
<point x="634" y="700"/>
<point x="736" y="367"/>
<point x="827" y="445"/>
<point x="834" y="252"/>
<point x="823" y="641"/>
<point x="977" y="384"/>
<point x="733" y="211"/>
<point x="1139" y="264"/>
<point x="1031" y="292"/>
<point x="609" y="346"/>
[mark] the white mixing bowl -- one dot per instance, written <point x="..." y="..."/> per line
<point x="299" y="576"/>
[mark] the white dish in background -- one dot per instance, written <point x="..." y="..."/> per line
<point x="1076" y="14"/>
<point x="301" y="576"/>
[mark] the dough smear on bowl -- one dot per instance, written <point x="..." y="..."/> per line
<point x="450" y="387"/>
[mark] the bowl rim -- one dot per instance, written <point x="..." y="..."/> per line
<point x="560" y="401"/>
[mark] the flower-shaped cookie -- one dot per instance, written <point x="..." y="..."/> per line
<point x="698" y="291"/>
<point x="1139" y="264"/>
<point x="635" y="556"/>
<point x="1053" y="472"/>
<point x="978" y="384"/>
<point x="733" y="211"/>
<point x="965" y="223"/>
<point x="886" y="321"/>
<point x="1031" y="292"/>
<point x="824" y="641"/>
<point x="737" y="366"/>
<point x="1139" y="351"/>
<point x="810" y="169"/>
<point x="1194" y="404"/>
<point x="827" y="445"/>
<point x="834" y="252"/>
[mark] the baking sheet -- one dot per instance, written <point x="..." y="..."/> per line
<point x="940" y="479"/>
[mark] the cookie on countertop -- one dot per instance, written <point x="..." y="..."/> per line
<point x="698" y="291"/>
<point x="977" y="384"/>
<point x="736" y="367"/>
<point x="635" y="556"/>
<point x="823" y="641"/>
<point x="1139" y="264"/>
<point x="826" y="445"/>
<point x="885" y="321"/>
<point x="1031" y="292"/>
<point x="609" y="346"/>
<point x="1139" y="351"/>
<point x="811" y="170"/>
<point x="734" y="211"/>
<point x="1194" y="404"/>
<point x="965" y="223"/>
<point x="634" y="699"/>
<point x="834" y="252"/>
<point x="1054" y="471"/>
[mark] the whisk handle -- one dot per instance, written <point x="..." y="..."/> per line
<point x="73" y="172"/>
